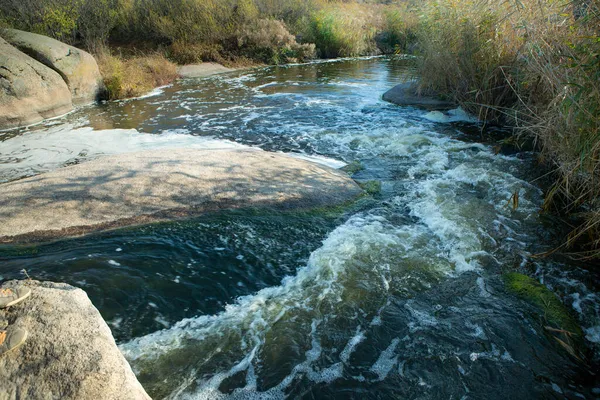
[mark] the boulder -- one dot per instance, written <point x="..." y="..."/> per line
<point x="29" y="91"/>
<point x="69" y="353"/>
<point x="406" y="94"/>
<point x="77" y="67"/>
<point x="136" y="188"/>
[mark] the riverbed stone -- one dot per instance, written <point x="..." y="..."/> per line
<point x="78" y="68"/>
<point x="407" y="94"/>
<point x="29" y="91"/>
<point x="158" y="185"/>
<point x="69" y="352"/>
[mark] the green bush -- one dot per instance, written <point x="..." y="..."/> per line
<point x="399" y="32"/>
<point x="269" y="41"/>
<point x="342" y="32"/>
<point x="134" y="76"/>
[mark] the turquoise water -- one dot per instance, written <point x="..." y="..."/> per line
<point x="398" y="296"/>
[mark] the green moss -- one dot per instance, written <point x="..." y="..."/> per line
<point x="353" y="167"/>
<point x="18" y="251"/>
<point x="371" y="187"/>
<point x="348" y="207"/>
<point x="554" y="311"/>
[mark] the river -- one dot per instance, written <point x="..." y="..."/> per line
<point x="397" y="296"/>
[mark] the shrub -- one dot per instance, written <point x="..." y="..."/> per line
<point x="399" y="32"/>
<point x="135" y="76"/>
<point x="191" y="53"/>
<point x="95" y="21"/>
<point x="269" y="41"/>
<point x="468" y="55"/>
<point x="343" y="31"/>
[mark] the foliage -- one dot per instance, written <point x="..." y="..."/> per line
<point x="343" y="31"/>
<point x="400" y="30"/>
<point x="269" y="41"/>
<point x="131" y="77"/>
<point x="267" y="31"/>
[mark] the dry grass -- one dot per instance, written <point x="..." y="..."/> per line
<point x="134" y="76"/>
<point x="345" y="30"/>
<point x="535" y="65"/>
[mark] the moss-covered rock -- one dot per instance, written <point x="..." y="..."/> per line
<point x="371" y="187"/>
<point x="352" y="168"/>
<point x="553" y="310"/>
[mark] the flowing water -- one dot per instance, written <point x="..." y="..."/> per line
<point x="399" y="296"/>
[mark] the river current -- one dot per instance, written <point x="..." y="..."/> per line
<point x="397" y="296"/>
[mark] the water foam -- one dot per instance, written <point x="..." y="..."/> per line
<point x="324" y="280"/>
<point x="42" y="151"/>
<point x="454" y="115"/>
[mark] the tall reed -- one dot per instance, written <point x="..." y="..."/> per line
<point x="534" y="65"/>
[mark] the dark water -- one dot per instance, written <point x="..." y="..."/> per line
<point x="399" y="296"/>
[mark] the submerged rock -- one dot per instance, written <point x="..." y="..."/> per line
<point x="405" y="94"/>
<point x="69" y="353"/>
<point x="553" y="310"/>
<point x="29" y="91"/>
<point x="135" y="188"/>
<point x="77" y="67"/>
<point x="554" y="316"/>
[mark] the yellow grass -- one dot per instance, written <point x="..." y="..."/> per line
<point x="134" y="76"/>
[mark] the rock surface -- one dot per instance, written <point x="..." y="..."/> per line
<point x="135" y="188"/>
<point x="77" y="67"/>
<point x="70" y="352"/>
<point x="405" y="94"/>
<point x="29" y="91"/>
<point x="201" y="70"/>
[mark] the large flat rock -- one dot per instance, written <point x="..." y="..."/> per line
<point x="29" y="91"/>
<point x="69" y="352"/>
<point x="201" y="70"/>
<point x="77" y="67"/>
<point x="135" y="188"/>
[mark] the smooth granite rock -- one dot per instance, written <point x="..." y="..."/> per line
<point x="69" y="353"/>
<point x="201" y="70"/>
<point x="136" y="188"/>
<point x="77" y="67"/>
<point x="29" y="91"/>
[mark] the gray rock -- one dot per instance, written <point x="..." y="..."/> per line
<point x="406" y="94"/>
<point x="29" y="91"/>
<point x="136" y="188"/>
<point x="77" y="67"/>
<point x="70" y="352"/>
<point x="201" y="70"/>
